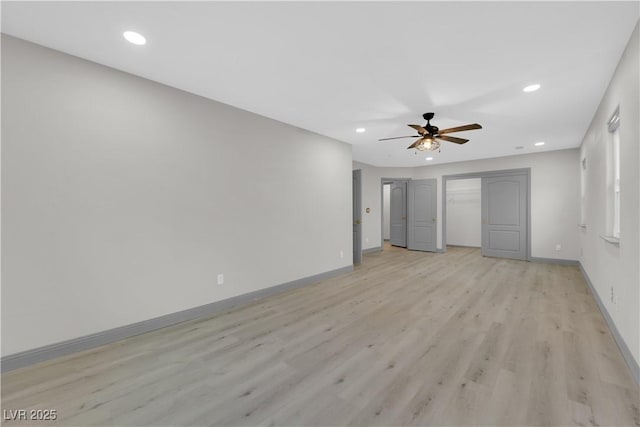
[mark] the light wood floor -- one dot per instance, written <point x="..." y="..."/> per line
<point x="408" y="338"/>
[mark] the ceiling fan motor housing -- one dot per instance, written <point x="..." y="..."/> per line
<point x="433" y="130"/>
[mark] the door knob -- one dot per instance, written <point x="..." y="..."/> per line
<point x="358" y="221"/>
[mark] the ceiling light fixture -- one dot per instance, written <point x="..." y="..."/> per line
<point x="429" y="158"/>
<point x="428" y="143"/>
<point x="360" y="130"/>
<point x="539" y="144"/>
<point x="531" y="88"/>
<point x="135" y="38"/>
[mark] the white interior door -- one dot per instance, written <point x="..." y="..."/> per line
<point x="422" y="215"/>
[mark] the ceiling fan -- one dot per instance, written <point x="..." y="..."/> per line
<point x="430" y="136"/>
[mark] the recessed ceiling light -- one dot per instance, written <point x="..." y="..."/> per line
<point x="539" y="144"/>
<point x="429" y="158"/>
<point x="360" y="130"/>
<point x="531" y="88"/>
<point x="135" y="38"/>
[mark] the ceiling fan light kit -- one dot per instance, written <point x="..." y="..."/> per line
<point x="427" y="144"/>
<point x="430" y="136"/>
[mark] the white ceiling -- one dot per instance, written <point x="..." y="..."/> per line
<point x="332" y="67"/>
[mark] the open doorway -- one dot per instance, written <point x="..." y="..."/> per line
<point x="357" y="216"/>
<point x="504" y="212"/>
<point x="394" y="212"/>
<point x="464" y="214"/>
<point x="386" y="214"/>
<point x="411" y="207"/>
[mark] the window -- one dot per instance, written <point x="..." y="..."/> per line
<point x="583" y="193"/>
<point x="614" y="174"/>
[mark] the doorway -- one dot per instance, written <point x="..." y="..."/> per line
<point x="357" y="215"/>
<point x="464" y="213"/>
<point x="408" y="217"/>
<point x="505" y="212"/>
<point x="398" y="214"/>
<point x="386" y="213"/>
<point x="394" y="211"/>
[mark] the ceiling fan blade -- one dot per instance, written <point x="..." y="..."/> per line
<point x="452" y="139"/>
<point x="460" y="128"/>
<point x="398" y="137"/>
<point x="419" y="128"/>
<point x="415" y="144"/>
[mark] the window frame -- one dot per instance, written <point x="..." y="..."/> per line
<point x="613" y="126"/>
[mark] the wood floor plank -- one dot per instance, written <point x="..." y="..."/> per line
<point x="407" y="338"/>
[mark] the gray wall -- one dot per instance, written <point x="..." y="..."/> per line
<point x="615" y="268"/>
<point x="555" y="196"/>
<point x="123" y="199"/>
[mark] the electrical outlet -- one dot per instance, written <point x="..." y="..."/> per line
<point x="341" y="254"/>
<point x="366" y="240"/>
<point x="558" y="246"/>
<point x="220" y="279"/>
